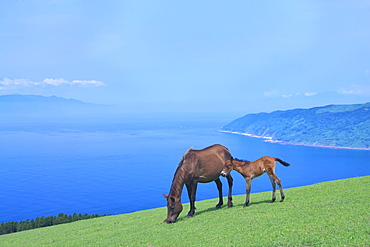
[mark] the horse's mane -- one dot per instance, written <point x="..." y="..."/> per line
<point x="178" y="178"/>
<point x="179" y="175"/>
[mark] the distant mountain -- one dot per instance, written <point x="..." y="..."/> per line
<point x="40" y="107"/>
<point x="332" y="126"/>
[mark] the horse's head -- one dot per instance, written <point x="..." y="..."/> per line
<point x="228" y="167"/>
<point x="174" y="208"/>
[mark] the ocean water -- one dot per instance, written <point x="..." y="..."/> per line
<point x="124" y="164"/>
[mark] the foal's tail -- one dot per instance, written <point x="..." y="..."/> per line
<point x="282" y="162"/>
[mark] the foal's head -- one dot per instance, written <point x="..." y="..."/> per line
<point x="228" y="167"/>
<point x="174" y="208"/>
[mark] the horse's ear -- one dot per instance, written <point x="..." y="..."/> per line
<point x="165" y="195"/>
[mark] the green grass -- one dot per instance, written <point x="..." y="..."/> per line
<point x="335" y="213"/>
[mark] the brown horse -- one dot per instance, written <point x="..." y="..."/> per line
<point x="197" y="166"/>
<point x="253" y="169"/>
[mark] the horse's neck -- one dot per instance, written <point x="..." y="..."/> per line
<point x="178" y="183"/>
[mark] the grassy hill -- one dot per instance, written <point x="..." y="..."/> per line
<point x="332" y="125"/>
<point x="335" y="213"/>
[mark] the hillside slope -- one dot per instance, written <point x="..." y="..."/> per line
<point x="314" y="215"/>
<point x="332" y="125"/>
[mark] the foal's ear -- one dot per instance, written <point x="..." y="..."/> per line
<point x="165" y="195"/>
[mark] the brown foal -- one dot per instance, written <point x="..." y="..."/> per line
<point x="253" y="169"/>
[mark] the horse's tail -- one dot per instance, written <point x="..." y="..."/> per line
<point x="282" y="162"/>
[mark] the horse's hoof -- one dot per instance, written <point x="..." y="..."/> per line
<point x="230" y="205"/>
<point x="281" y="200"/>
<point x="218" y="206"/>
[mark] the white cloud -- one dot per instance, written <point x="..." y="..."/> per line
<point x="55" y="82"/>
<point x="287" y="95"/>
<point x="356" y="89"/>
<point x="16" y="82"/>
<point x="310" y="94"/>
<point x="276" y="93"/>
<point x="88" y="83"/>
<point x="6" y="82"/>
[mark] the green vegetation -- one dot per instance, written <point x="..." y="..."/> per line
<point x="334" y="213"/>
<point x="14" y="226"/>
<point x="333" y="125"/>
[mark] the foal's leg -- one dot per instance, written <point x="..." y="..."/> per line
<point x="248" y="181"/>
<point x="281" y="189"/>
<point x="192" y="188"/>
<point x="273" y="188"/>
<point x="219" y="187"/>
<point x="278" y="181"/>
<point x="229" y="196"/>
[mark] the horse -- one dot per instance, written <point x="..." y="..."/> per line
<point x="253" y="169"/>
<point x="197" y="166"/>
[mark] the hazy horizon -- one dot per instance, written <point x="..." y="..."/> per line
<point x="40" y="105"/>
<point x="149" y="56"/>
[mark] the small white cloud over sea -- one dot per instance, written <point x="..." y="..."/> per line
<point x="15" y="83"/>
<point x="358" y="89"/>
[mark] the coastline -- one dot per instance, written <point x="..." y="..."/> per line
<point x="270" y="140"/>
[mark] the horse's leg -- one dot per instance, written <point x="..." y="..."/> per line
<point x="192" y="188"/>
<point x="229" y="196"/>
<point x="188" y="188"/>
<point x="273" y="188"/>
<point x="219" y="187"/>
<point x="248" y="181"/>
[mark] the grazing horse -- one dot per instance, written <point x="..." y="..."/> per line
<point x="197" y="166"/>
<point x="253" y="169"/>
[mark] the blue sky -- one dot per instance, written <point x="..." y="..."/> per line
<point x="176" y="56"/>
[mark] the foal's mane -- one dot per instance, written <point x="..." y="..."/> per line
<point x="240" y="160"/>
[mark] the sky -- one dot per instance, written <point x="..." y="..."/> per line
<point x="188" y="56"/>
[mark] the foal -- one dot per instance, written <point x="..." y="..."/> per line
<point x="253" y="169"/>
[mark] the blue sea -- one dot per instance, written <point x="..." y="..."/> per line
<point x="125" y="163"/>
